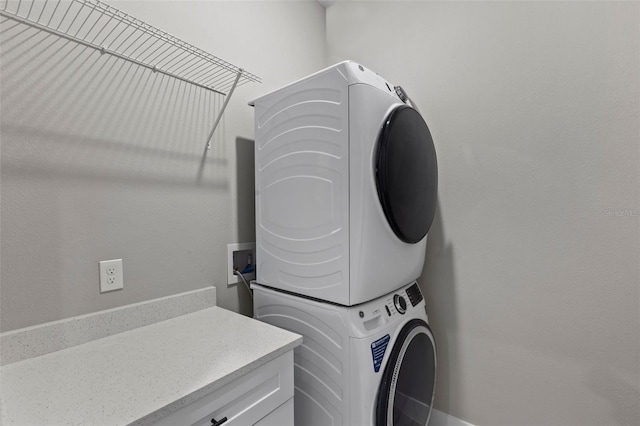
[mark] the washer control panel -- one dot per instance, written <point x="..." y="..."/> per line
<point x="377" y="313"/>
<point x="398" y="303"/>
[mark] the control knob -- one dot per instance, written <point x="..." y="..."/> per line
<point x="400" y="303"/>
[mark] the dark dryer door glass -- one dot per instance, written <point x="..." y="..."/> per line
<point x="405" y="396"/>
<point x="407" y="174"/>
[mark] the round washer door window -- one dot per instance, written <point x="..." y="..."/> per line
<point x="407" y="174"/>
<point x="405" y="396"/>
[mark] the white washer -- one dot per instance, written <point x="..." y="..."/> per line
<point x="346" y="182"/>
<point x="371" y="364"/>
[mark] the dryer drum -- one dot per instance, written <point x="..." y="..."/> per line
<point x="407" y="174"/>
<point x="405" y="396"/>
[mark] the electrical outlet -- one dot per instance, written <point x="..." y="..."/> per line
<point x="243" y="257"/>
<point x="111" y="277"/>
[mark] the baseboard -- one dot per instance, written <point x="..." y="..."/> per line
<point x="438" y="418"/>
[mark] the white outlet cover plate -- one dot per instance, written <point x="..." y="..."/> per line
<point x="111" y="277"/>
<point x="231" y="277"/>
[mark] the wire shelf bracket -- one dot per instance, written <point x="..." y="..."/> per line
<point x="97" y="25"/>
<point x="215" y="124"/>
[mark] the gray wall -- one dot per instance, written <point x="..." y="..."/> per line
<point x="532" y="275"/>
<point x="532" y="279"/>
<point x="99" y="159"/>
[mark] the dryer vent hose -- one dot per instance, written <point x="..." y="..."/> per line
<point x="404" y="97"/>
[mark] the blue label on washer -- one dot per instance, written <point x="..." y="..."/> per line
<point x="378" y="349"/>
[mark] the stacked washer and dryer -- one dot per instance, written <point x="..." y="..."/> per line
<point x="346" y="183"/>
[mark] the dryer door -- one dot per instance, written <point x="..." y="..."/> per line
<point x="405" y="396"/>
<point x="407" y="174"/>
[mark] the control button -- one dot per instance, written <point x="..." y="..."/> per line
<point x="388" y="311"/>
<point x="361" y="314"/>
<point x="400" y="303"/>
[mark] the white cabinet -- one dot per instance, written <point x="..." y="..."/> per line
<point x="281" y="416"/>
<point x="261" y="397"/>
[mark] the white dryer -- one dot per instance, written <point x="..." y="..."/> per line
<point x="346" y="182"/>
<point x="368" y="365"/>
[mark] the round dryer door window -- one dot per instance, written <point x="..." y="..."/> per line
<point x="405" y="396"/>
<point x="407" y="174"/>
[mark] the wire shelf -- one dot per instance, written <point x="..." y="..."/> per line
<point x="104" y="28"/>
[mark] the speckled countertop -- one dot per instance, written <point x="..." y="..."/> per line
<point x="141" y="375"/>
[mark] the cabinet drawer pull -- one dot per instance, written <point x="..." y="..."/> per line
<point x="218" y="422"/>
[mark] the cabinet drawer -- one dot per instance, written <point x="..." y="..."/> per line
<point x="244" y="401"/>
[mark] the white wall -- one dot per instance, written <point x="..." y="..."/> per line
<point x="531" y="285"/>
<point x="99" y="159"/>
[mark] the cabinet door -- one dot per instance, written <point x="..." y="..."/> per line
<point x="281" y="416"/>
<point x="244" y="401"/>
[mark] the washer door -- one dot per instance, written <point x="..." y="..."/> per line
<point x="405" y="396"/>
<point x="407" y="174"/>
